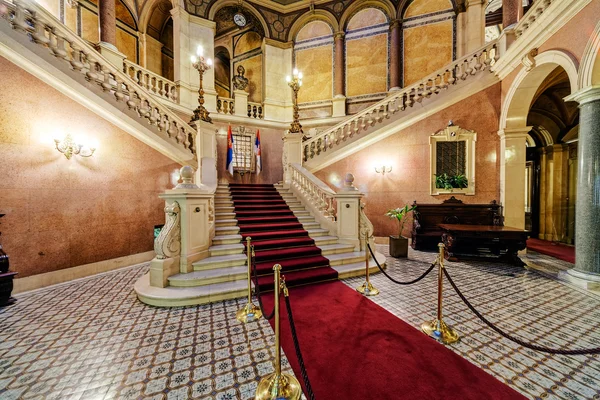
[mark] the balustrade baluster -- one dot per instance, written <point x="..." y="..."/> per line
<point x="106" y="85"/>
<point x="58" y="48"/>
<point x="119" y="90"/>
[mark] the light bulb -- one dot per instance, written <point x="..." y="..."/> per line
<point x="300" y="75"/>
<point x="209" y="61"/>
<point x="288" y="79"/>
<point x="295" y="72"/>
<point x="299" y="83"/>
<point x="200" y="51"/>
<point x="194" y="59"/>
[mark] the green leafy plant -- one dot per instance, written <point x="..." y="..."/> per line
<point x="449" y="182"/>
<point x="400" y="214"/>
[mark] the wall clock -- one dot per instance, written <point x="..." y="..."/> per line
<point x="240" y="19"/>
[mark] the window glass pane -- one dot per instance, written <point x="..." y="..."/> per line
<point x="243" y="150"/>
<point x="451" y="157"/>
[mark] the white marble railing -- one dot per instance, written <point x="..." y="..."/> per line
<point x="255" y="110"/>
<point x="315" y="191"/>
<point x="225" y="105"/>
<point x="431" y="85"/>
<point x="46" y="31"/>
<point x="534" y="13"/>
<point x="150" y="81"/>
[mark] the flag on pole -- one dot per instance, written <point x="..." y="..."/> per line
<point x="257" y="151"/>
<point x="229" y="150"/>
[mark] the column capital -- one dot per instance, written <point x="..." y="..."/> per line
<point x="586" y="95"/>
<point x="339" y="35"/>
<point x="514" y="133"/>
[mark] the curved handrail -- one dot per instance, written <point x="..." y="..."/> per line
<point x="45" y="30"/>
<point x="460" y="69"/>
<point x="151" y="81"/>
<point x="314" y="190"/>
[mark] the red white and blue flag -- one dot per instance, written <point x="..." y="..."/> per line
<point x="257" y="151"/>
<point x="230" y="151"/>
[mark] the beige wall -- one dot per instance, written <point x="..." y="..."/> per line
<point x="408" y="152"/>
<point x="427" y="48"/>
<point x="64" y="213"/>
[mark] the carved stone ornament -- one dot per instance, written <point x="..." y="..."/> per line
<point x="528" y="60"/>
<point x="187" y="176"/>
<point x="72" y="3"/>
<point x="452" y="133"/>
<point x="168" y="242"/>
<point x="240" y="82"/>
<point x="349" y="183"/>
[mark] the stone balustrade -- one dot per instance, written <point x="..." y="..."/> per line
<point x="46" y="31"/>
<point x="255" y="110"/>
<point x="154" y="83"/>
<point x="314" y="190"/>
<point x="225" y="105"/>
<point x="427" y="87"/>
<point x="536" y="10"/>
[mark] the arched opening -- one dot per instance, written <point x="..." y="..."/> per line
<point x="159" y="40"/>
<point x="223" y="72"/>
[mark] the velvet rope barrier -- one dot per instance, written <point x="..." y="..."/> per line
<point x="398" y="282"/>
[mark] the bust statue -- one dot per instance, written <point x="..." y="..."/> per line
<point x="239" y="81"/>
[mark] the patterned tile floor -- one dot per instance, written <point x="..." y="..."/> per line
<point x="91" y="339"/>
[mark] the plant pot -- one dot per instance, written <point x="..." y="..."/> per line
<point x="398" y="246"/>
<point x="3" y="261"/>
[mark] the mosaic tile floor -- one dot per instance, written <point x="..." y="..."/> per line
<point x="92" y="339"/>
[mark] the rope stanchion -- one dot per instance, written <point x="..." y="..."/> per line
<point x="278" y="385"/>
<point x="367" y="287"/>
<point x="288" y="306"/>
<point x="437" y="328"/>
<point x="518" y="341"/>
<point x="258" y="294"/>
<point x="250" y="312"/>
<point x="398" y="282"/>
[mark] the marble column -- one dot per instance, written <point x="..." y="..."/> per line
<point x="587" y="233"/>
<point x="395" y="55"/>
<point x="339" y="94"/>
<point x="107" y="21"/>
<point x="512" y="175"/>
<point x="512" y="11"/>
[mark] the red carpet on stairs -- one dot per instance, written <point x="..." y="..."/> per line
<point x="354" y="349"/>
<point x="278" y="237"/>
<point x="557" y="250"/>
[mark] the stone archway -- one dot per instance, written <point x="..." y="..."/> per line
<point x="514" y="129"/>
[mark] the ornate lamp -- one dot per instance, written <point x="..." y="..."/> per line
<point x="69" y="147"/>
<point x="202" y="65"/>
<point x="295" y="82"/>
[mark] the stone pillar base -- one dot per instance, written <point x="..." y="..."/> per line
<point x="112" y="54"/>
<point x="161" y="270"/>
<point x="240" y="98"/>
<point x="580" y="279"/>
<point x="339" y="106"/>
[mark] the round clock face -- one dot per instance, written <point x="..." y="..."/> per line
<point x="239" y="19"/>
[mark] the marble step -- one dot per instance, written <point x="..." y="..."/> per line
<point x="355" y="269"/>
<point x="187" y="296"/>
<point x="316" y="232"/>
<point x="305" y="218"/>
<point x="226" y="249"/>
<point x="325" y="240"/>
<point x="226" y="222"/>
<point x="233" y="260"/>
<point x="311" y="225"/>
<point x="336" y="248"/>
<point x="227" y="215"/>
<point x="226" y="239"/>
<point x="224" y="209"/>
<point x="227" y="230"/>
<point x="223" y="203"/>
<point x="219" y="197"/>
<point x="346" y="258"/>
<point x="209" y="276"/>
<point x="301" y="213"/>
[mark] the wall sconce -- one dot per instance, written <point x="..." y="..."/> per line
<point x="383" y="169"/>
<point x="69" y="148"/>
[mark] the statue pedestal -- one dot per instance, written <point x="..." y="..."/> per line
<point x="240" y="97"/>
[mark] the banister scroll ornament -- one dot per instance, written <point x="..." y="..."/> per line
<point x="168" y="242"/>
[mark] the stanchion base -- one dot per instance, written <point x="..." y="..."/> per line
<point x="278" y="387"/>
<point x="368" y="289"/>
<point x="441" y="332"/>
<point x="249" y="313"/>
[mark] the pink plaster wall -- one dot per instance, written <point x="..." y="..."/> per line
<point x="271" y="149"/>
<point x="408" y="152"/>
<point x="63" y="213"/>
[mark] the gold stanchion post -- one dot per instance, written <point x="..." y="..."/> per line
<point x="437" y="328"/>
<point x="367" y="287"/>
<point x="250" y="312"/>
<point x="278" y="386"/>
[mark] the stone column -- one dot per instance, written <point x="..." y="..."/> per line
<point x="277" y="95"/>
<point x="587" y="232"/>
<point x="292" y="154"/>
<point x="395" y="83"/>
<point x="339" y="94"/>
<point x="512" y="175"/>
<point x="512" y="11"/>
<point x="107" y="21"/>
<point x="206" y="151"/>
<point x="475" y="25"/>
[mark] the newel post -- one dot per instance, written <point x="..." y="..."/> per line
<point x="206" y="151"/>
<point x="292" y="154"/>
<point x="188" y="230"/>
<point x="349" y="212"/>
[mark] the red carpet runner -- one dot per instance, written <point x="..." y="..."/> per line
<point x="556" y="250"/>
<point x="278" y="237"/>
<point x="354" y="349"/>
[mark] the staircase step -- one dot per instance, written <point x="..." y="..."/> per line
<point x="266" y="220"/>
<point x="241" y="214"/>
<point x="355" y="269"/>
<point x="226" y="239"/>
<point x="266" y="268"/>
<point x="346" y="258"/>
<point x="278" y="255"/>
<point x="298" y="278"/>
<point x="283" y="243"/>
<point x="224" y="209"/>
<point x="261" y="207"/>
<point x="269" y="227"/>
<point x="311" y="225"/>
<point x="209" y="276"/>
<point x="325" y="240"/>
<point x="226" y="249"/>
<point x="336" y="248"/>
<point x="226" y="222"/>
<point x="317" y="232"/>
<point x="221" y="216"/>
<point x="266" y="235"/>
<point x="232" y="260"/>
<point x="226" y="230"/>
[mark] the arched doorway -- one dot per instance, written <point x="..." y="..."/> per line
<point x="159" y="40"/>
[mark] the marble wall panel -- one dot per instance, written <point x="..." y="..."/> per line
<point x="427" y="48"/>
<point x="127" y="44"/>
<point x="63" y="213"/>
<point x="271" y="153"/>
<point x="408" y="152"/>
<point x="316" y="65"/>
<point x="366" y="17"/>
<point x="420" y="7"/>
<point x="366" y="65"/>
<point x="89" y="25"/>
<point x="153" y="55"/>
<point x="254" y="67"/>
<point x="248" y="42"/>
<point x="313" y="30"/>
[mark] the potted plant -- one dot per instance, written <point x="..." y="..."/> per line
<point x="399" y="244"/>
<point x="449" y="182"/>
